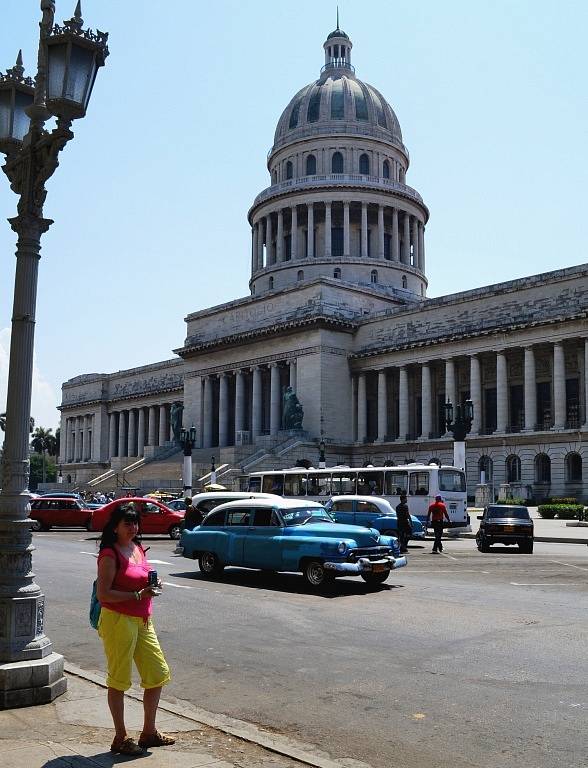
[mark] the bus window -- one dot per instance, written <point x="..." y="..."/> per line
<point x="419" y="484"/>
<point x="254" y="484"/>
<point x="396" y="483"/>
<point x="370" y="483"/>
<point x="451" y="480"/>
<point x="294" y="485"/>
<point x="319" y="485"/>
<point x="273" y="484"/>
<point x="343" y="484"/>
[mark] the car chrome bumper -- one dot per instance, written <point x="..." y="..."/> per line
<point x="179" y="550"/>
<point x="363" y="565"/>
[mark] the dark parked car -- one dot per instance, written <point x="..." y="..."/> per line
<point x="505" y="524"/>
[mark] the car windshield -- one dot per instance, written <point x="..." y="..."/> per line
<point x="521" y="513"/>
<point x="301" y="515"/>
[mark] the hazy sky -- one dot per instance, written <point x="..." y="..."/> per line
<point x="151" y="197"/>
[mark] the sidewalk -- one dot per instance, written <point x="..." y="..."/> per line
<point x="556" y="531"/>
<point x="75" y="731"/>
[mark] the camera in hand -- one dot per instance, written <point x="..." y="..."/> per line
<point x="152" y="582"/>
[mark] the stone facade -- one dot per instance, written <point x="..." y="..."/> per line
<point x="338" y="311"/>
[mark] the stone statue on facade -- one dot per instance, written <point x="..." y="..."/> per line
<point x="176" y="413"/>
<point x="293" y="411"/>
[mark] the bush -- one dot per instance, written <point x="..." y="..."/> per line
<point x="563" y="511"/>
<point x="516" y="502"/>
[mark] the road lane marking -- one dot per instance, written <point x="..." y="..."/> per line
<point x="450" y="556"/>
<point x="159" y="562"/>
<point x="94" y="554"/>
<point x="540" y="584"/>
<point x="179" y="586"/>
<point x="569" y="565"/>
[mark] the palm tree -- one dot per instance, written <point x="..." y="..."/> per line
<point x="44" y="441"/>
<point x="3" y="422"/>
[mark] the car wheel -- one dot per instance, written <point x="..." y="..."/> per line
<point x="209" y="564"/>
<point x="483" y="545"/>
<point x="315" y="574"/>
<point x="36" y="525"/>
<point x="175" y="532"/>
<point x="89" y="524"/>
<point x="375" y="578"/>
<point x="526" y="547"/>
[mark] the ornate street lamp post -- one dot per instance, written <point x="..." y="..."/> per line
<point x="322" y="462"/>
<point x="188" y="441"/>
<point x="69" y="57"/>
<point x="459" y="426"/>
<point x="212" y="471"/>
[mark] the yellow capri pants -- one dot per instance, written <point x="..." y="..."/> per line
<point x="127" y="639"/>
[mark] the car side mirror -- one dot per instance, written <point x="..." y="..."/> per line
<point x="480" y="517"/>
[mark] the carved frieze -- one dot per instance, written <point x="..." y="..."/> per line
<point x="40" y="616"/>
<point x="23" y="618"/>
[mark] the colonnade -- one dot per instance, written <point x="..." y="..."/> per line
<point x="130" y="430"/>
<point x="400" y="235"/>
<point x="79" y="443"/>
<point x="245" y="400"/>
<point x="417" y="390"/>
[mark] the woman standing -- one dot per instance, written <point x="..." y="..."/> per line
<point x="126" y="629"/>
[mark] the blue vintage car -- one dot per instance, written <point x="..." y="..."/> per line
<point x="371" y="511"/>
<point x="289" y="535"/>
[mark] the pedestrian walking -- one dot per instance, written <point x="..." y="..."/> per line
<point x="404" y="523"/>
<point x="436" y="513"/>
<point x="125" y="591"/>
<point x="193" y="516"/>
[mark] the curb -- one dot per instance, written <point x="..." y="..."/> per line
<point x="229" y="725"/>
<point x="545" y="539"/>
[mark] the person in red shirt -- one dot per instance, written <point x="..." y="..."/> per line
<point x="436" y="513"/>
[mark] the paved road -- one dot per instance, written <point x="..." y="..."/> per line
<point x="459" y="660"/>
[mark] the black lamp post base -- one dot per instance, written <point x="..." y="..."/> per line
<point x="31" y="682"/>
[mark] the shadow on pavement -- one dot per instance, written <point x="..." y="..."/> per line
<point x="102" y="759"/>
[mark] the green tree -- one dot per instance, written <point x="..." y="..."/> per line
<point x="44" y="442"/>
<point x="41" y="464"/>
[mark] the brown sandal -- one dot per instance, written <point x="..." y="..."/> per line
<point x="126" y="746"/>
<point x="156" y="739"/>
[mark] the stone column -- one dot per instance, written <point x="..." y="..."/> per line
<point x="395" y="241"/>
<point x="327" y="229"/>
<point x="380" y="231"/>
<point x="253" y="248"/>
<point x="260" y="244"/>
<point x="426" y="404"/>
<point x="223" y="410"/>
<point x="132" y="434"/>
<point x="354" y="408"/>
<point x="559" y="386"/>
<point x="112" y="441"/>
<point x="403" y="412"/>
<point x="151" y="427"/>
<point x="476" y="394"/>
<point x="501" y="393"/>
<point x="163" y="428"/>
<point x="207" y="425"/>
<point x="586" y="382"/>
<point x="292" y="380"/>
<point x="415" y="242"/>
<point x="80" y="441"/>
<point x="450" y="391"/>
<point x="382" y="407"/>
<point x="294" y="233"/>
<point x="280" y="238"/>
<point x="64" y="445"/>
<point x="239" y="403"/>
<point x="346" y="238"/>
<point x="421" y="247"/>
<point x="310" y="232"/>
<point x="530" y="391"/>
<point x="361" y="409"/>
<point x="141" y="433"/>
<point x="256" y="405"/>
<point x="364" y="231"/>
<point x="122" y="433"/>
<point x="406" y="240"/>
<point x="274" y="399"/>
<point x="269" y="253"/>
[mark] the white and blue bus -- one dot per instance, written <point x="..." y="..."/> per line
<point x="420" y="482"/>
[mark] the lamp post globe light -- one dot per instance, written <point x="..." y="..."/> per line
<point x="459" y="423"/>
<point x="188" y="441"/>
<point x="68" y="59"/>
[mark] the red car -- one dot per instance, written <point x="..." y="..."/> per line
<point x="47" y="512"/>
<point x="154" y="516"/>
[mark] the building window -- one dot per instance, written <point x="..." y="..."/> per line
<point x="337" y="163"/>
<point x="289" y="169"/>
<point x="374" y="276"/>
<point x="287" y="247"/>
<point x="513" y="469"/>
<point x="300" y="275"/>
<point x="387" y="246"/>
<point x="337" y="101"/>
<point x="364" y="165"/>
<point x="573" y="468"/>
<point x="337" y="242"/>
<point x="274" y="177"/>
<point x="486" y="465"/>
<point x="337" y="273"/>
<point x="386" y="170"/>
<point x="314" y="105"/>
<point x="404" y="281"/>
<point x="271" y="283"/>
<point x="542" y="468"/>
<point x="311" y="165"/>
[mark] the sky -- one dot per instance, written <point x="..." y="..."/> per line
<point x="151" y="197"/>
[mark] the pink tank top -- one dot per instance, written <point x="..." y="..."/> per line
<point x="129" y="577"/>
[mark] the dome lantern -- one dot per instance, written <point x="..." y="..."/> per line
<point x="337" y="50"/>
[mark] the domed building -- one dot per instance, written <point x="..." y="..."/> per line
<point x="337" y="314"/>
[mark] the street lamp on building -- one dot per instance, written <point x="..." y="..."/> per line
<point x="68" y="59"/>
<point x="212" y="471"/>
<point x="188" y="441"/>
<point x="459" y="422"/>
<point x="322" y="462"/>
